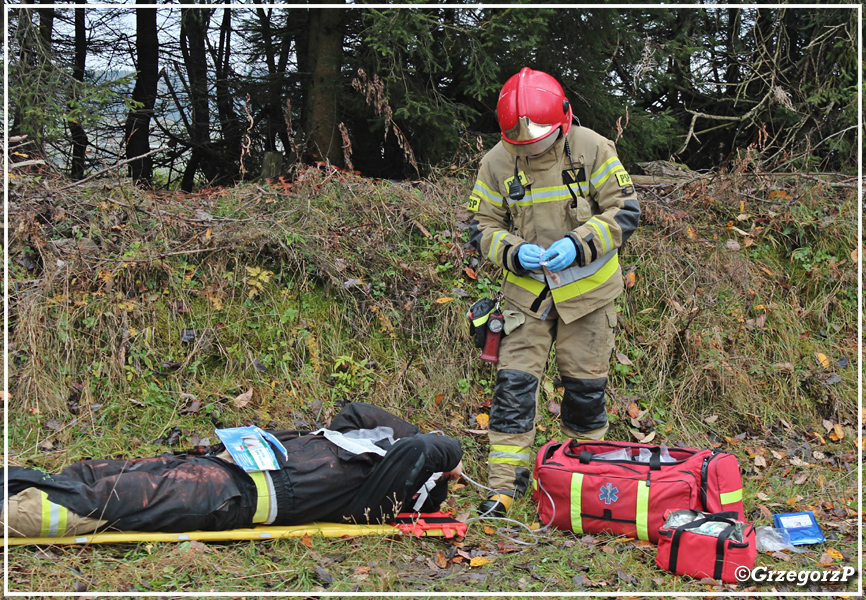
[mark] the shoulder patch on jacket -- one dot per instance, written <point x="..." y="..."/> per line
<point x="474" y="203"/>
<point x="623" y="179"/>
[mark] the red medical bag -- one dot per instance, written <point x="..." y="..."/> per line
<point x="684" y="550"/>
<point x="579" y="492"/>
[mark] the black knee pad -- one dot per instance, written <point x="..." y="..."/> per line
<point x="583" y="404"/>
<point x="513" y="407"/>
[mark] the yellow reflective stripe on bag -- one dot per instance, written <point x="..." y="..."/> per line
<point x="642" y="513"/>
<point x="730" y="497"/>
<point x="54" y="518"/>
<point x="576" y="491"/>
<point x="482" y="319"/>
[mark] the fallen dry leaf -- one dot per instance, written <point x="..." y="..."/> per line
<point x="760" y="461"/>
<point x="630" y="280"/>
<point x="483" y="420"/>
<point x="243" y="399"/>
<point x="766" y="513"/>
<point x="822" y="360"/>
<point x="623" y="359"/>
<point x="307" y="540"/>
<point x="444" y="299"/>
<point x="835" y="554"/>
<point x="711" y="419"/>
<point x="440" y="560"/>
<point x="479" y="561"/>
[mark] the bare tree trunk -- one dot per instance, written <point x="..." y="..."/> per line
<point x="193" y="28"/>
<point x="229" y="125"/>
<point x="79" y="136"/>
<point x="732" y="73"/>
<point x="322" y="99"/>
<point x="273" y="108"/>
<point x="138" y="121"/>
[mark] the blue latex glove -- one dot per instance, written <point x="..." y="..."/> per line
<point x="529" y="256"/>
<point x="560" y="255"/>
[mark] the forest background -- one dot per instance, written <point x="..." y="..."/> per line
<point x="221" y="215"/>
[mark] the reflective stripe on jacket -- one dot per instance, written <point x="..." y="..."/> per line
<point x="590" y="199"/>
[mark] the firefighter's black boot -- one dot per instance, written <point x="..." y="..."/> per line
<point x="496" y="505"/>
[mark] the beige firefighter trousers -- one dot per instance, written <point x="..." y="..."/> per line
<point x="583" y="351"/>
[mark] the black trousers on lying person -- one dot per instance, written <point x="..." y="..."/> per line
<point x="318" y="481"/>
<point x="163" y="493"/>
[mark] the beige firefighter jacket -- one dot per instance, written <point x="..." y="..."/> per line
<point x="589" y="198"/>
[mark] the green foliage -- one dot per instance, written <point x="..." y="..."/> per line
<point x="44" y="98"/>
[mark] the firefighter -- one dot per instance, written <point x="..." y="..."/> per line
<point x="323" y="476"/>
<point x="552" y="205"/>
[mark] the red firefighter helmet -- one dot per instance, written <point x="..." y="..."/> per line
<point x="531" y="109"/>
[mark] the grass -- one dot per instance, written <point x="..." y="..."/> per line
<point x="330" y="290"/>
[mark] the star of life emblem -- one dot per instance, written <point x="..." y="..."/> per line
<point x="608" y="493"/>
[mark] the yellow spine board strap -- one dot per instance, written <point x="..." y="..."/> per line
<point x="253" y="533"/>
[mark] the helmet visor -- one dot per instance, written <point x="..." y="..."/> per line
<point x="533" y="148"/>
<point x="526" y="131"/>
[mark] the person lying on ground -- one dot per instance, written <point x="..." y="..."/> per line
<point x="322" y="477"/>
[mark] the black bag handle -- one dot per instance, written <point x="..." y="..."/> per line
<point x="720" y="545"/>
<point x="549" y="452"/>
<point x="720" y="551"/>
<point x="655" y="460"/>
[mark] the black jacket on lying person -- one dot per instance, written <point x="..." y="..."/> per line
<point x="318" y="481"/>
